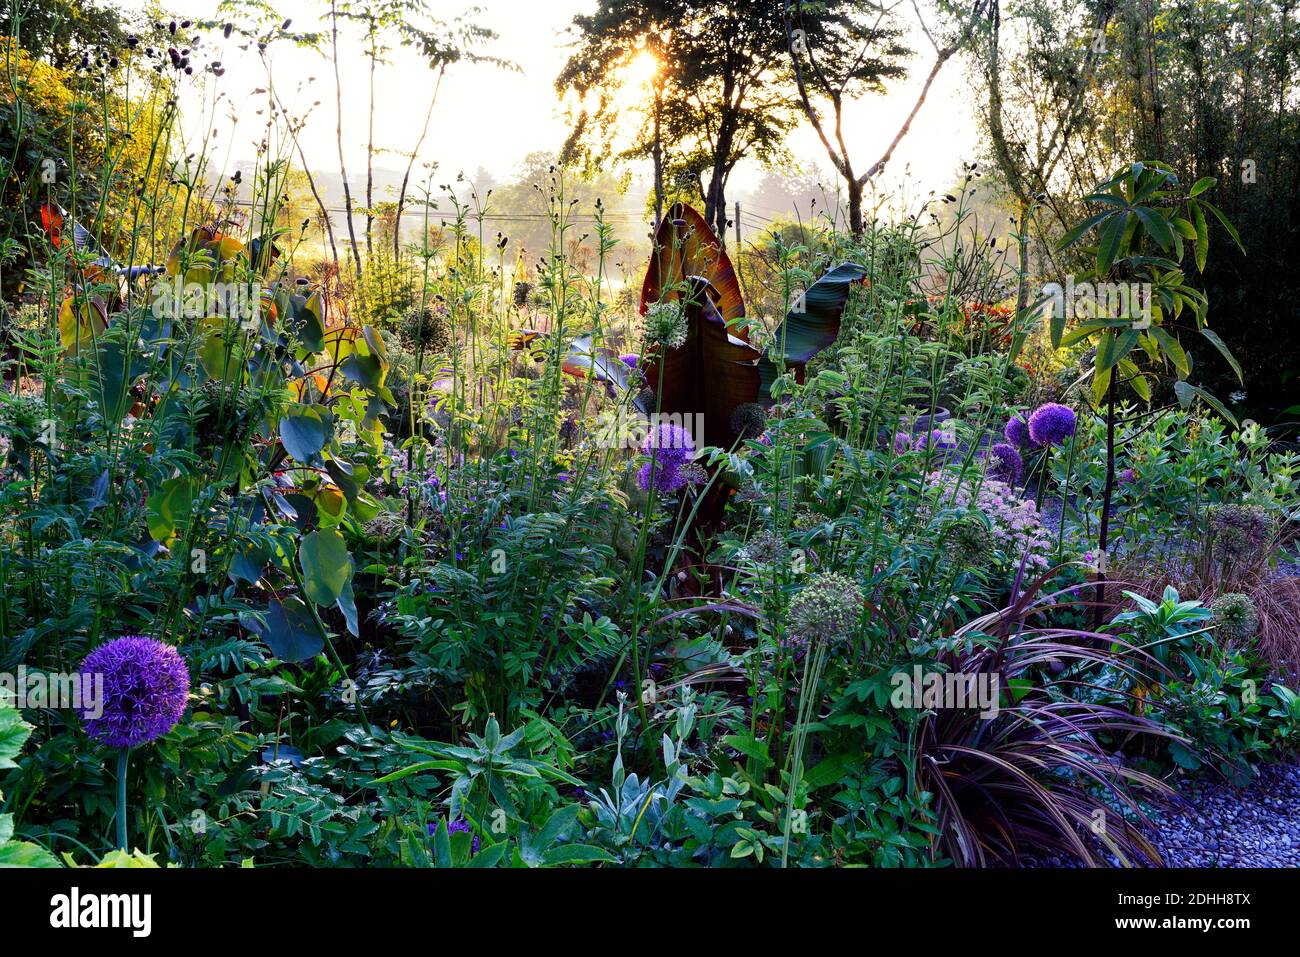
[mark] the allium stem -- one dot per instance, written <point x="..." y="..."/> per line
<point x="122" y="755"/>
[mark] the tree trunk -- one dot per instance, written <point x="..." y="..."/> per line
<point x="658" y="156"/>
<point x="410" y="164"/>
<point x="370" y="145"/>
<point x="715" y="201"/>
<point x="855" y="206"/>
<point x="338" y="134"/>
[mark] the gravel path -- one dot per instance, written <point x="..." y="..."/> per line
<point x="1224" y="826"/>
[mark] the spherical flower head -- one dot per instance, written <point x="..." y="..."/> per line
<point x="670" y="444"/>
<point x="1005" y="463"/>
<point x="1127" y="477"/>
<point x="665" y="477"/>
<point x="1051" y="424"/>
<point x="749" y="420"/>
<point x="936" y="440"/>
<point x="1017" y="431"/>
<point x="766" y="548"/>
<point x="827" y="609"/>
<point x="1234" y="616"/>
<point x="146" y="687"/>
<point x="665" y="325"/>
<point x="902" y="443"/>
<point x="1240" y="530"/>
<point x="969" y="541"/>
<point x="629" y="360"/>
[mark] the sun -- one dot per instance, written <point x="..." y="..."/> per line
<point x="640" y="70"/>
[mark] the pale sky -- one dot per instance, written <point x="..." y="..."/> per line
<point x="492" y="118"/>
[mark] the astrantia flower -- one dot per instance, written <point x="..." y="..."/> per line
<point x="1017" y="431"/>
<point x="146" y="687"/>
<point x="826" y="610"/>
<point x="1005" y="463"/>
<point x="665" y="325"/>
<point x="1017" y="528"/>
<point x="1234" y="616"/>
<point x="1051" y="424"/>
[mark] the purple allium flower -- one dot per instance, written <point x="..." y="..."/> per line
<point x="937" y="440"/>
<point x="455" y="827"/>
<point x="629" y="360"/>
<point x="1005" y="463"/>
<point x="667" y="478"/>
<point x="902" y="442"/>
<point x="1051" y="424"/>
<point x="1017" y="431"/>
<point x="1127" y="477"/>
<point x="669" y="447"/>
<point x="146" y="687"/>
<point x="669" y="443"/>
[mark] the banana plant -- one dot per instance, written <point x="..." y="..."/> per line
<point x="1143" y="231"/>
<point x="718" y="369"/>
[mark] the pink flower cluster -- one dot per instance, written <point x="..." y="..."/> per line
<point x="1017" y="527"/>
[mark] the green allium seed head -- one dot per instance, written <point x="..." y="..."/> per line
<point x="1234" y="616"/>
<point x="749" y="420"/>
<point x="665" y="325"/>
<point x="766" y="548"/>
<point x="826" y="610"/>
<point x="969" y="541"/>
<point x="1240" y="530"/>
<point x="21" y="416"/>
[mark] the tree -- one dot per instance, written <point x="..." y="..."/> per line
<point x="723" y="91"/>
<point x="840" y="51"/>
<point x="62" y="31"/>
<point x="1143" y="229"/>
<point x="442" y="46"/>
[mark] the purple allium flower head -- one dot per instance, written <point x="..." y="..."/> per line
<point x="670" y="447"/>
<point x="629" y="360"/>
<point x="669" y="443"/>
<point x="1005" y="463"/>
<point x="1051" y="424"/>
<point x="1017" y="431"/>
<point x="455" y="827"/>
<point x="902" y="442"/>
<point x="667" y="478"/>
<point x="936" y="440"/>
<point x="1127" y="477"/>
<point x="146" y="687"/>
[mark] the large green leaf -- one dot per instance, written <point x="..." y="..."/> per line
<point x="290" y="631"/>
<point x="14" y="732"/>
<point x="814" y="321"/>
<point x="169" y="507"/>
<point x="326" y="565"/>
<point x="304" y="430"/>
